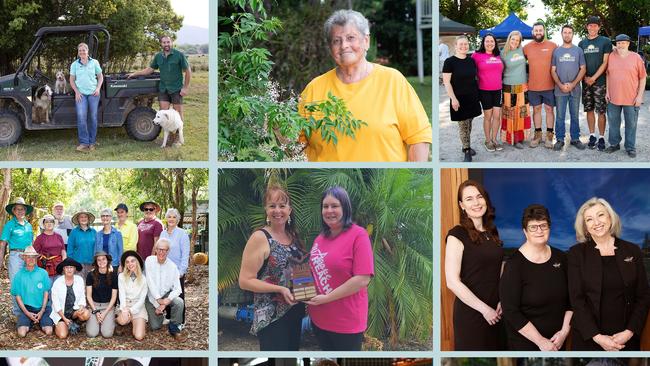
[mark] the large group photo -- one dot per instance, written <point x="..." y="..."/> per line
<point x="104" y="259"/>
<point x="332" y="80"/>
<point x="544" y="81"/>
<point x="545" y="260"/>
<point x="104" y="81"/>
<point x="325" y="259"/>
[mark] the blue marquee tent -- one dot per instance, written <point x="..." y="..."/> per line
<point x="512" y="22"/>
<point x="644" y="31"/>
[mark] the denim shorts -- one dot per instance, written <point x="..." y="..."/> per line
<point x="24" y="321"/>
<point x="538" y="97"/>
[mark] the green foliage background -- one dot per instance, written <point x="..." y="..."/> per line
<point x="394" y="205"/>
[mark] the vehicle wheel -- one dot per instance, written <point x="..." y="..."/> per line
<point x="10" y="128"/>
<point x="139" y="124"/>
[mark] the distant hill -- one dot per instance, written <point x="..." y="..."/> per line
<point x="190" y="34"/>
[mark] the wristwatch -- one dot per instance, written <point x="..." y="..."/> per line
<point x="96" y="311"/>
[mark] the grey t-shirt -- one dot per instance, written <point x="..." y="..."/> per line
<point x="567" y="62"/>
<point x="515" y="67"/>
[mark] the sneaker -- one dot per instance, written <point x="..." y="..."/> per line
<point x="592" y="142"/>
<point x="468" y="156"/>
<point x="519" y="145"/>
<point x="549" y="140"/>
<point x="601" y="144"/>
<point x="497" y="146"/>
<point x="536" y="139"/>
<point x="612" y="148"/>
<point x="489" y="146"/>
<point x="165" y="321"/>
<point x="578" y="144"/>
<point x="82" y="148"/>
<point x="558" y="145"/>
<point x="631" y="153"/>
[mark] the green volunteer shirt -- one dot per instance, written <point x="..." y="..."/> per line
<point x="19" y="236"/>
<point x="171" y="70"/>
<point x="595" y="50"/>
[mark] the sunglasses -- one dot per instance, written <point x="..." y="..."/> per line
<point x="150" y="209"/>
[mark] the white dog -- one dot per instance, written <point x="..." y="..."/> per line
<point x="61" y="85"/>
<point x="170" y="121"/>
<point x="41" y="105"/>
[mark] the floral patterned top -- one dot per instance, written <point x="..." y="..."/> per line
<point x="269" y="307"/>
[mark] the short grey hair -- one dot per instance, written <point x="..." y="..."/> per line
<point x="343" y="17"/>
<point x="173" y="211"/>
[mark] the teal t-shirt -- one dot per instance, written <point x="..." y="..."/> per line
<point x="81" y="245"/>
<point x="86" y="75"/>
<point x="171" y="70"/>
<point x="30" y="286"/>
<point x="514" y="72"/>
<point x="19" y="236"/>
<point x="595" y="50"/>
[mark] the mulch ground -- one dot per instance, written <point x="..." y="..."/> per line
<point x="196" y="331"/>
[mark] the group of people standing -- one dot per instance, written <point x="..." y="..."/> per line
<point x="610" y="81"/>
<point x="341" y="262"/>
<point x="598" y="291"/>
<point x="72" y="273"/>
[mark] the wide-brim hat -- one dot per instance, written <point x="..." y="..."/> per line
<point x="131" y="253"/>
<point x="109" y="258"/>
<point x="19" y="201"/>
<point x="75" y="218"/>
<point x="41" y="221"/>
<point x="68" y="262"/>
<point x="149" y="203"/>
<point x="30" y="252"/>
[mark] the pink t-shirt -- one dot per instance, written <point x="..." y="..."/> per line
<point x="623" y="75"/>
<point x="333" y="262"/>
<point x="49" y="245"/>
<point x="489" y="70"/>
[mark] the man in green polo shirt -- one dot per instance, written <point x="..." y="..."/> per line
<point x="172" y="65"/>
<point x="18" y="233"/>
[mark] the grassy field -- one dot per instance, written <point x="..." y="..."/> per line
<point x="115" y="144"/>
<point x="424" y="92"/>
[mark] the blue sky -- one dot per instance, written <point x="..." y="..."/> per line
<point x="563" y="191"/>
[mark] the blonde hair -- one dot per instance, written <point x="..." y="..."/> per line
<point x="506" y="47"/>
<point x="582" y="234"/>
<point x="84" y="45"/>
<point x="138" y="270"/>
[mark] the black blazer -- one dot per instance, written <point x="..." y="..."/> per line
<point x="585" y="285"/>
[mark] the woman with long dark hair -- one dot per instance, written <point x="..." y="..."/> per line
<point x="489" y="68"/>
<point x="342" y="263"/>
<point x="267" y="258"/>
<point x="473" y="258"/>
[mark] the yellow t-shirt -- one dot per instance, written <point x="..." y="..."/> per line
<point x="129" y="235"/>
<point x="386" y="102"/>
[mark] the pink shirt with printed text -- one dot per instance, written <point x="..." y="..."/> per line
<point x="489" y="71"/>
<point x="334" y="261"/>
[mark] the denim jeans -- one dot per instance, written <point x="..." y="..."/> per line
<point x="574" y="127"/>
<point x="631" y="114"/>
<point x="87" y="119"/>
<point x="15" y="264"/>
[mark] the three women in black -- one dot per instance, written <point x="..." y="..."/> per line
<point x="597" y="293"/>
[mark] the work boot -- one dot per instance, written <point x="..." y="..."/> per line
<point x="536" y="139"/>
<point x="549" y="140"/>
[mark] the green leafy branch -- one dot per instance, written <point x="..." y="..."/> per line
<point x="336" y="118"/>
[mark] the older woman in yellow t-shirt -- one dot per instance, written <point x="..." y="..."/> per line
<point x="397" y="129"/>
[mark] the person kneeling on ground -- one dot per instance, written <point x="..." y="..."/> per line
<point x="164" y="290"/>
<point x="30" y="287"/>
<point x="132" y="289"/>
<point x="68" y="299"/>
